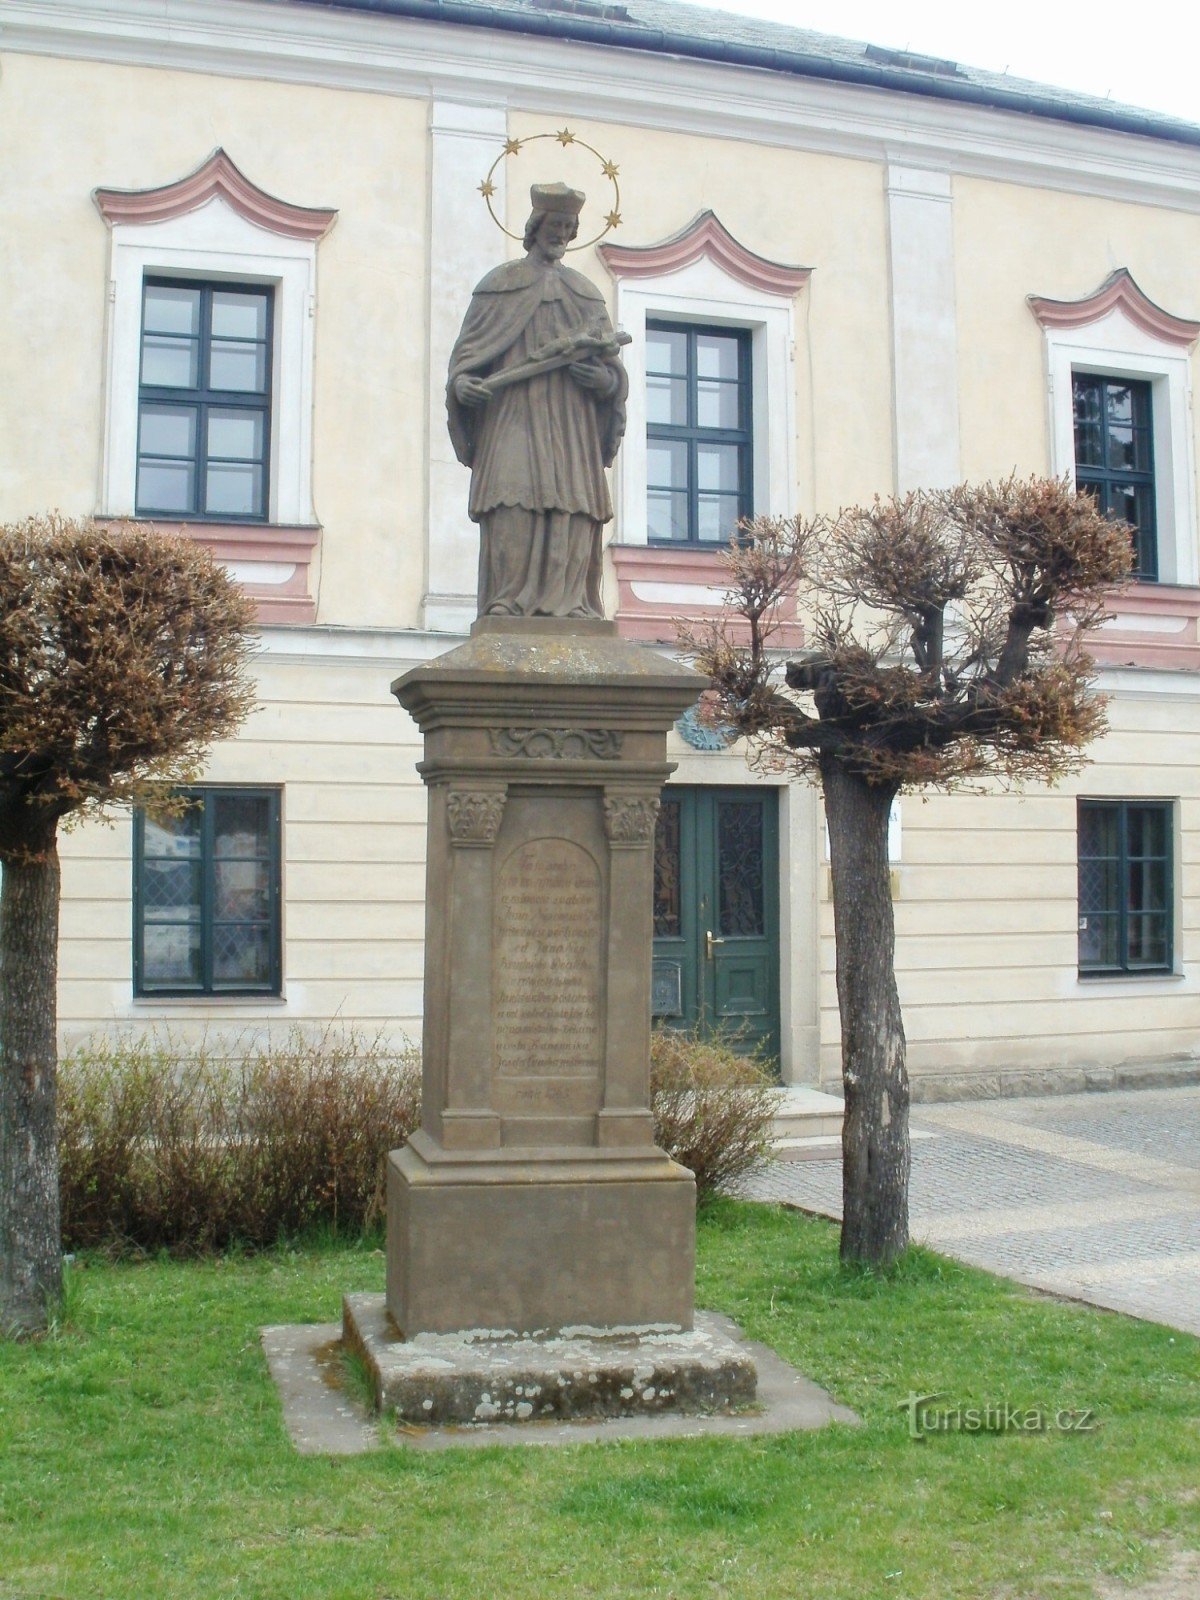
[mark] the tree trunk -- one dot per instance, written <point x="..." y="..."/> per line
<point x="875" y="1149"/>
<point x="30" y="1241"/>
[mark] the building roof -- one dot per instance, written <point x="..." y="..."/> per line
<point x="672" y="27"/>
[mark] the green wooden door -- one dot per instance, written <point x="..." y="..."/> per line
<point x="716" y="912"/>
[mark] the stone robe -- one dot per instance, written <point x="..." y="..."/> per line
<point x="538" y="449"/>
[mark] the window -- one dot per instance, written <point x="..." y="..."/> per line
<point x="698" y="439"/>
<point x="1114" y="456"/>
<point x="247" y="256"/>
<point x="206" y="896"/>
<point x="1119" y="372"/>
<point x="1126" y="914"/>
<point x="204" y="401"/>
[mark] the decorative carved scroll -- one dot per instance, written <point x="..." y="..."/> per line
<point x="558" y="744"/>
<point x="630" y="819"/>
<point x="474" y="815"/>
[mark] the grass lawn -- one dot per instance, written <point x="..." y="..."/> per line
<point x="142" y="1451"/>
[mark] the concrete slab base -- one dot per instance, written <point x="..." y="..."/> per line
<point x="482" y="1376"/>
<point x="321" y="1418"/>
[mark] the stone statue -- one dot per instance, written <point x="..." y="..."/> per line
<point x="536" y="403"/>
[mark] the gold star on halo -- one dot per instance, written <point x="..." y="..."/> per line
<point x="487" y="188"/>
<point x="511" y="146"/>
<point x="609" y="169"/>
<point x="613" y="219"/>
<point x="565" y="136"/>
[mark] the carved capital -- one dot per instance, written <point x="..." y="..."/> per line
<point x="474" y="815"/>
<point x="557" y="744"/>
<point x="629" y="819"/>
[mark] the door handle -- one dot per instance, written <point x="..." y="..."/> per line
<point x="709" y="941"/>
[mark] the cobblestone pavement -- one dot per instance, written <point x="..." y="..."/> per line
<point x="1092" y="1196"/>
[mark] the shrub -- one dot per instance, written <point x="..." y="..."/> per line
<point x="161" y="1148"/>
<point x="713" y="1107"/>
<point x="185" y="1149"/>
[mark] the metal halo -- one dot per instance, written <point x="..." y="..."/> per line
<point x="565" y="137"/>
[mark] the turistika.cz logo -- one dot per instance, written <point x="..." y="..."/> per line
<point x="927" y="1414"/>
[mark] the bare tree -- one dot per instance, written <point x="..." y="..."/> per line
<point x="945" y="647"/>
<point x="123" y="654"/>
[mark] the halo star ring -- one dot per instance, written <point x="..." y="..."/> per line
<point x="564" y="137"/>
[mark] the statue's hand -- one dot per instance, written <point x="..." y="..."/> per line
<point x="594" y="375"/>
<point x="470" y="391"/>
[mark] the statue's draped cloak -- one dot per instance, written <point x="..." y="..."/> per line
<point x="541" y="444"/>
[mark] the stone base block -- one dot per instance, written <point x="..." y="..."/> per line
<point x="464" y="1378"/>
<point x="520" y="1245"/>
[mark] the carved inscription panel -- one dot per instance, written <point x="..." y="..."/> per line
<point x="547" y="952"/>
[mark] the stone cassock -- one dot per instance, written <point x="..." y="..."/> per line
<point x="538" y="443"/>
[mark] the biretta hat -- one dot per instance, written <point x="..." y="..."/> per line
<point x="557" y="197"/>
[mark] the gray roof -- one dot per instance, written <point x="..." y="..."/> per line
<point x="672" y="27"/>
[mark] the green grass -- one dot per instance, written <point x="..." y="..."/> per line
<point x="142" y="1452"/>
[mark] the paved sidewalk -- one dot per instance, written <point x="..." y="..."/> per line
<point x="1093" y="1196"/>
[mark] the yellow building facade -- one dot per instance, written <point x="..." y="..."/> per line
<point x="239" y="241"/>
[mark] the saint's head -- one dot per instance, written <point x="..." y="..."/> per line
<point x="554" y="220"/>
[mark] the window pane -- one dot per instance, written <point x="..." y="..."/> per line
<point x="170" y="309"/>
<point x="241" y="955"/>
<point x="740" y="867"/>
<point x="242" y="891"/>
<point x="1098" y="940"/>
<point x="1089" y="434"/>
<point x="1120" y="448"/>
<point x="169" y="363"/>
<point x="177" y="838"/>
<point x="235" y="435"/>
<point x="165" y="486"/>
<point x="667" y="514"/>
<point x="666" y="464"/>
<point x="242" y="824"/>
<point x="666" y="401"/>
<point x="234" y="490"/>
<point x="171" y="956"/>
<point x="666" y="351"/>
<point x="168" y="430"/>
<point x="171" y="891"/>
<point x="717" y="517"/>
<point x="1147" y="827"/>
<point x="238" y="315"/>
<point x="717" y="467"/>
<point x="1118" y="405"/>
<point x="238" y="366"/>
<point x="717" y="405"/>
<point x="667" y="911"/>
<point x="717" y="355"/>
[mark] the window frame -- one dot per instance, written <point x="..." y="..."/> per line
<point x="207" y="989"/>
<point x="706" y="292"/>
<point x="1125" y="968"/>
<point x="1114" y="347"/>
<point x="692" y="434"/>
<point x="203" y="398"/>
<point x="214" y="244"/>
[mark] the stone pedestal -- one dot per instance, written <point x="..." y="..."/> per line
<point x="533" y="1198"/>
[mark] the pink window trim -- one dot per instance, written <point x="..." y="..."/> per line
<point x="1123" y="644"/>
<point x="654" y="621"/>
<point x="218" y="175"/>
<point x="1118" y="290"/>
<point x="706" y="235"/>
<point x="247" y="544"/>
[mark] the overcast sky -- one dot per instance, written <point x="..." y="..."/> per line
<point x="1144" y="54"/>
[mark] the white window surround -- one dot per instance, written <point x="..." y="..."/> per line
<point x="705" y="292"/>
<point x="1116" y="345"/>
<point x="214" y="243"/>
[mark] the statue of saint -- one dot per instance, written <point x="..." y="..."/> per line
<point x="536" y="403"/>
